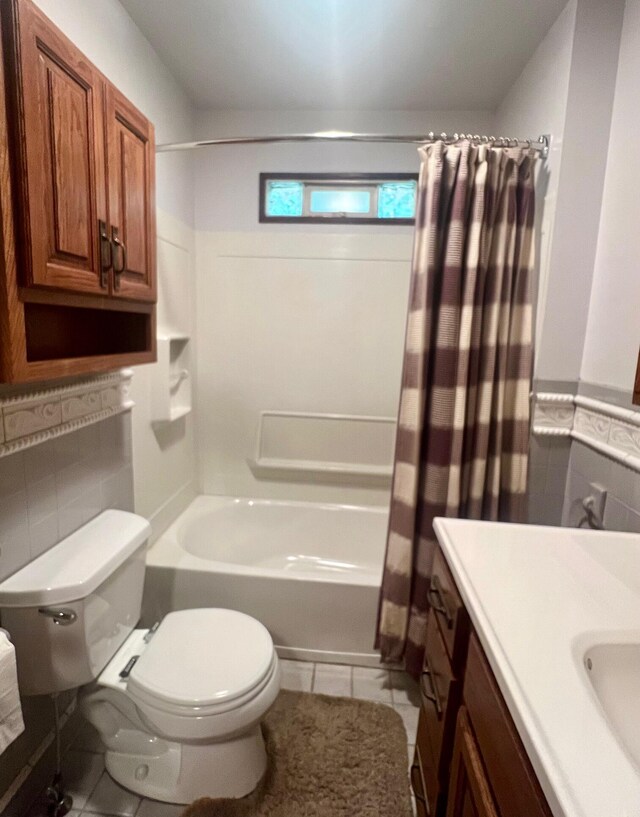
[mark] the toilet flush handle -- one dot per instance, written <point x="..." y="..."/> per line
<point x="60" y="615"/>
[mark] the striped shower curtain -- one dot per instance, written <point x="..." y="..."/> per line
<point x="463" y="423"/>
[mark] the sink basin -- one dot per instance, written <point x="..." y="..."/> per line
<point x="614" y="673"/>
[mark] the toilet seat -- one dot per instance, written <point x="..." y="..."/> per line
<point x="203" y="662"/>
<point x="190" y="707"/>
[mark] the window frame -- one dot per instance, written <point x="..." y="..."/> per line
<point x="325" y="179"/>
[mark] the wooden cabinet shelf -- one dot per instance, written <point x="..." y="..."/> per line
<point x="77" y="188"/>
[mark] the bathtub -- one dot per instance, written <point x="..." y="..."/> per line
<point x="309" y="572"/>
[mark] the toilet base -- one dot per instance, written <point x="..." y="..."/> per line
<point x="183" y="772"/>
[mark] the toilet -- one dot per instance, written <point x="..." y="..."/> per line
<point x="178" y="706"/>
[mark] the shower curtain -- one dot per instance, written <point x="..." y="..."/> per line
<point x="463" y="423"/>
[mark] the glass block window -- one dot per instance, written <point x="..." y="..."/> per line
<point x="284" y="198"/>
<point x="397" y="199"/>
<point x="340" y="200"/>
<point x="350" y="198"/>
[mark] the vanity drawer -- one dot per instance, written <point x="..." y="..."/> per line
<point x="450" y="612"/>
<point x="515" y="786"/>
<point x="424" y="775"/>
<point x="422" y="804"/>
<point x="436" y="683"/>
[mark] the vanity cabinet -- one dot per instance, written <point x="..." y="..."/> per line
<point x="469" y="760"/>
<point x="469" y="790"/>
<point x="78" y="281"/>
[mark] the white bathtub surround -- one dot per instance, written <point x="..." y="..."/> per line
<point x="609" y="429"/>
<point x="297" y="444"/>
<point x="339" y="303"/>
<point x="539" y="603"/>
<point x="31" y="417"/>
<point x="164" y="452"/>
<point x="310" y="572"/>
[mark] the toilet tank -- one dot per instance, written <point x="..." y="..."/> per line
<point x="68" y="611"/>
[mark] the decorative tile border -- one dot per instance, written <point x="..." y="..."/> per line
<point x="607" y="428"/>
<point x="553" y="414"/>
<point x="34" y="417"/>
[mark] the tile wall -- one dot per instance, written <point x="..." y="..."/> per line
<point x="548" y="463"/>
<point x="50" y="490"/>
<point x="47" y="492"/>
<point x="622" y="507"/>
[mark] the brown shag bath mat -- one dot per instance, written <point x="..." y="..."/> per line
<point x="328" y="757"/>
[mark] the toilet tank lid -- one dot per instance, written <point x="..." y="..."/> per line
<point x="77" y="565"/>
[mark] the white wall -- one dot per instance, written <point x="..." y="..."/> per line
<point x="613" y="329"/>
<point x="227" y="177"/>
<point x="163" y="459"/>
<point x="536" y="104"/>
<point x="592" y="76"/>
<point x="297" y="318"/>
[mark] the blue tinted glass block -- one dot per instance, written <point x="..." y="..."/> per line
<point x="340" y="201"/>
<point x="397" y="199"/>
<point x="284" y="198"/>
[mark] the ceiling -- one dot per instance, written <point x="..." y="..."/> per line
<point x="345" y="54"/>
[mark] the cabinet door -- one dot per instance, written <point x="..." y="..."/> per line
<point x="131" y="161"/>
<point x="60" y="153"/>
<point x="469" y="792"/>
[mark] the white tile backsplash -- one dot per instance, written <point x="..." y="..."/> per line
<point x="622" y="507"/>
<point x="50" y="490"/>
<point x="44" y="534"/>
<point x="42" y="499"/>
<point x="14" y="533"/>
<point x="548" y="462"/>
<point x="12" y="477"/>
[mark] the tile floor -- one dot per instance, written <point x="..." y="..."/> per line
<point x="96" y="795"/>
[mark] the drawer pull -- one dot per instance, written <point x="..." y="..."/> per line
<point x="437" y="601"/>
<point x="416" y="768"/>
<point x="431" y="693"/>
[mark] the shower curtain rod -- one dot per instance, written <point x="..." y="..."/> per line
<point x="541" y="143"/>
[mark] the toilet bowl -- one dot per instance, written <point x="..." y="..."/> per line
<point x="179" y="709"/>
<point x="178" y="706"/>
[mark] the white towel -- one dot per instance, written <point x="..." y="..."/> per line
<point x="11" y="723"/>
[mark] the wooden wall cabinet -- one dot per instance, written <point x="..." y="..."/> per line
<point x="78" y="212"/>
<point x="469" y="759"/>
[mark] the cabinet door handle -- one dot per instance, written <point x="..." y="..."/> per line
<point x="120" y="250"/>
<point x="415" y="769"/>
<point x="106" y="254"/>
<point x="436" y="600"/>
<point x="430" y="692"/>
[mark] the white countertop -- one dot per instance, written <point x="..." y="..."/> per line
<point x="538" y="598"/>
